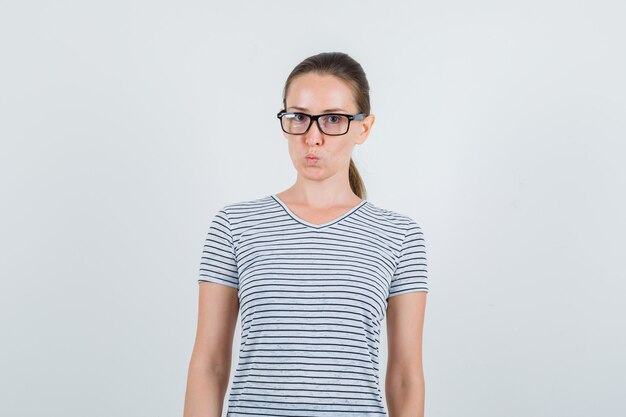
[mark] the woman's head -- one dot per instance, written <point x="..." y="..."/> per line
<point x="329" y="82"/>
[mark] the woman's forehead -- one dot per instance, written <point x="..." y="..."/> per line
<point x="323" y="93"/>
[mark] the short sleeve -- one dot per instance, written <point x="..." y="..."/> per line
<point x="218" y="263"/>
<point x="411" y="273"/>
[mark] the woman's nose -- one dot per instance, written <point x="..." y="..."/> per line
<point x="314" y="135"/>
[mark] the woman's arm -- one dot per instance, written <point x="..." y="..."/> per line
<point x="209" y="368"/>
<point x="404" y="380"/>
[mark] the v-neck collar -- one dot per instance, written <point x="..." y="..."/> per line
<point x="317" y="226"/>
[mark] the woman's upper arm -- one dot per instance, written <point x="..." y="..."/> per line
<point x="405" y="323"/>
<point x="218" y="309"/>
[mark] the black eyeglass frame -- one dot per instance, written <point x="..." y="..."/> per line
<point x="315" y="117"/>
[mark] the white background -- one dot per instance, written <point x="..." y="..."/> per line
<point x="126" y="125"/>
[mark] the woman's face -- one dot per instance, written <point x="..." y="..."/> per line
<point x="313" y="93"/>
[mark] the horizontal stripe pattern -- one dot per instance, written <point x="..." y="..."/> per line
<point x="311" y="299"/>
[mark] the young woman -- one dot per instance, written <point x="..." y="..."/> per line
<point x="312" y="270"/>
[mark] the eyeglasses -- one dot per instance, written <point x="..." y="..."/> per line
<point x="331" y="124"/>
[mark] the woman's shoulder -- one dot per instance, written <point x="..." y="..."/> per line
<point x="249" y="206"/>
<point x="388" y="215"/>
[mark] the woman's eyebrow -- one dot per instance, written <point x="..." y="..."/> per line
<point x="303" y="109"/>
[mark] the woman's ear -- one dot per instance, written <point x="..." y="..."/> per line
<point x="366" y="127"/>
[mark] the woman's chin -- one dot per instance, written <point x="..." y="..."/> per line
<point x="312" y="173"/>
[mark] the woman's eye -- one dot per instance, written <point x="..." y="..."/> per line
<point x="333" y="119"/>
<point x="299" y="117"/>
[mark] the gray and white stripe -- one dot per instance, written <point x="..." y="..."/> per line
<point x="311" y="298"/>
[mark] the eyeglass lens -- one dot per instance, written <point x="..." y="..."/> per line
<point x="330" y="124"/>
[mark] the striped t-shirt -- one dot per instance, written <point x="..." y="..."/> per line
<point x="311" y="300"/>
